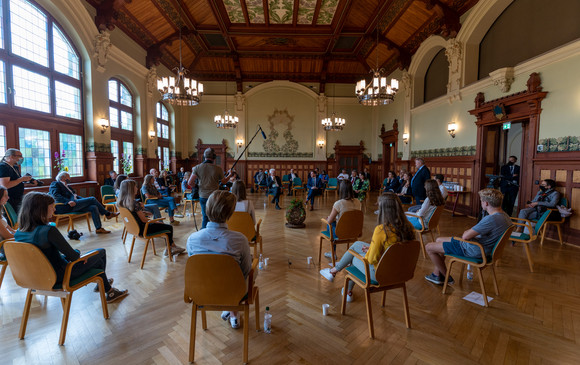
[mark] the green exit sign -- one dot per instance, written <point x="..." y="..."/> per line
<point x="507" y="125"/>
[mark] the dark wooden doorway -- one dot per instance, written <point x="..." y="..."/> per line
<point x="348" y="157"/>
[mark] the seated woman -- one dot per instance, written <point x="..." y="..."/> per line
<point x="150" y="191"/>
<point x="392" y="227"/>
<point x="433" y="200"/>
<point x="345" y="203"/>
<point x="361" y="186"/>
<point x="117" y="184"/>
<point x="35" y="213"/>
<point x="243" y="204"/>
<point x="151" y="208"/>
<point x="404" y="190"/>
<point x="127" y="200"/>
<point x="391" y="183"/>
<point x="194" y="195"/>
<point x="216" y="238"/>
<point x="6" y="231"/>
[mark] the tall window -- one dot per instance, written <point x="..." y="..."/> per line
<point x="166" y="157"/>
<point x="73" y="147"/>
<point x="116" y="156"/>
<point x="35" y="148"/>
<point x="128" y="154"/>
<point x="2" y="140"/>
<point x="121" y="118"/>
<point x="162" y="121"/>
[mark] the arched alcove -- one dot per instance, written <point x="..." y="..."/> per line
<point x="420" y="63"/>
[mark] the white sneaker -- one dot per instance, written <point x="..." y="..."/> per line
<point x="327" y="275"/>
<point x="234" y="322"/>
<point x="178" y="215"/>
<point x="328" y="255"/>
<point x="225" y="315"/>
<point x="348" y="297"/>
<point x="377" y="212"/>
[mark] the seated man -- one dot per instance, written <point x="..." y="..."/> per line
<point x="275" y="187"/>
<point x="159" y="182"/>
<point x="180" y="175"/>
<point x="260" y="179"/>
<point x="68" y="202"/>
<point x="111" y="179"/>
<point x="216" y="238"/>
<point x="314" y="187"/>
<point x="391" y="183"/>
<point x="547" y="197"/>
<point x="439" y="178"/>
<point x="486" y="232"/>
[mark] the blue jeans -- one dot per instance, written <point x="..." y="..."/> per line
<point x="205" y="219"/>
<point x="153" y="209"/>
<point x="93" y="206"/>
<point x="98" y="261"/>
<point x="415" y="222"/>
<point x="349" y="259"/>
<point x="312" y="193"/>
<point x="166" y="202"/>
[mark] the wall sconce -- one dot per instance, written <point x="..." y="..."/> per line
<point x="104" y="124"/>
<point x="451" y="128"/>
<point x="320" y="143"/>
<point x="406" y="138"/>
<point x="239" y="142"/>
<point x="151" y="135"/>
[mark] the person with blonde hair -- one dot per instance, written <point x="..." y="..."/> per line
<point x="486" y="232"/>
<point x="216" y="238"/>
<point x="243" y="204"/>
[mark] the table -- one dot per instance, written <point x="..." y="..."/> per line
<point x="456" y="194"/>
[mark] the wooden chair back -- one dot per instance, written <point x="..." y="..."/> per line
<point x="242" y="222"/>
<point x="30" y="267"/>
<point x="214" y="279"/>
<point x="543" y="218"/>
<point x="107" y="194"/>
<point x="434" y="221"/>
<point x="500" y="245"/>
<point x="350" y="225"/>
<point x="130" y="222"/>
<point x="11" y="215"/>
<point x="397" y="265"/>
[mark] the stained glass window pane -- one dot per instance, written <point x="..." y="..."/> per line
<point x="159" y="131"/>
<point x="114" y="117"/>
<point x="113" y="90"/>
<point x="165" y="129"/>
<point x="68" y="100"/>
<point x="35" y="148"/>
<point x="166" y="158"/>
<point x="126" y="98"/>
<point x="2" y="140"/>
<point x="115" y="152"/>
<point x="31" y="90"/>
<point x="128" y="153"/>
<point x="126" y="120"/>
<point x="72" y="145"/>
<point x="2" y="83"/>
<point x="160" y="156"/>
<point x="66" y="60"/>
<point x="1" y="25"/>
<point x="29" y="32"/>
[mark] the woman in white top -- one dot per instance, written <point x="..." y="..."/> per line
<point x="433" y="200"/>
<point x="346" y="202"/>
<point x="6" y="231"/>
<point x="243" y="204"/>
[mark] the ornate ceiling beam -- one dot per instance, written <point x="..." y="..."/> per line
<point x="238" y="71"/>
<point x="404" y="57"/>
<point x="108" y="13"/>
<point x="450" y="17"/>
<point x="324" y="73"/>
<point x="266" y="13"/>
<point x="155" y="52"/>
<point x="338" y="29"/>
<point x="295" y="12"/>
<point x="245" y="12"/>
<point x="316" y="12"/>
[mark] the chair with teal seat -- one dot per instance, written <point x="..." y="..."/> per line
<point x="526" y="238"/>
<point x="32" y="270"/>
<point x="71" y="216"/>
<point x="332" y="186"/>
<point x="285" y="181"/>
<point x="297" y="186"/>
<point x="3" y="263"/>
<point x="348" y="229"/>
<point x="11" y="216"/>
<point x="109" y="199"/>
<point x="395" y="268"/>
<point x="557" y="222"/>
<point x="431" y="225"/>
<point x="486" y="261"/>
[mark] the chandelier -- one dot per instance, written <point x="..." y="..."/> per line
<point x="333" y="123"/>
<point x="225" y="120"/>
<point x="180" y="90"/>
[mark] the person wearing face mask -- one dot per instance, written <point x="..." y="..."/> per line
<point x="547" y="197"/>
<point x="68" y="201"/>
<point x="509" y="185"/>
<point x="11" y="178"/>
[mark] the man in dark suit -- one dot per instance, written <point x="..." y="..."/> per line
<point x="509" y="186"/>
<point x="275" y="187"/>
<point x="418" y="181"/>
<point x="68" y="202"/>
<point x="314" y="187"/>
<point x="111" y="179"/>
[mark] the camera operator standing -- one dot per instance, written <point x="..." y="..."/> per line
<point x="11" y="178"/>
<point x="510" y="186"/>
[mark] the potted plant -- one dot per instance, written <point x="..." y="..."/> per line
<point x="295" y="214"/>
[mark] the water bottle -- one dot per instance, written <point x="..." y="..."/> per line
<point x="261" y="263"/>
<point x="267" y="321"/>
<point x="469" y="273"/>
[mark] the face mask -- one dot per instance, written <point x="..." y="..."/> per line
<point x="67" y="181"/>
<point x="20" y="161"/>
<point x="543" y="188"/>
<point x="510" y="163"/>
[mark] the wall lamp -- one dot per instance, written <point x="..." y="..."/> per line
<point x="239" y="142"/>
<point x="451" y="128"/>
<point x="320" y="143"/>
<point x="104" y="124"/>
<point x="151" y="135"/>
<point x="406" y="138"/>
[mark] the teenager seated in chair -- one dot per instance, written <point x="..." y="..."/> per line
<point x="439" y="178"/>
<point x="314" y="187"/>
<point x="216" y="238"/>
<point x="35" y="213"/>
<point x="345" y="203"/>
<point x="391" y="183"/>
<point x="127" y="200"/>
<point x="242" y="203"/>
<point x="433" y="200"/>
<point x="486" y="232"/>
<point x="69" y="202"/>
<point x="149" y="191"/>
<point x="361" y="186"/>
<point x="546" y="198"/>
<point x="392" y="227"/>
<point x="404" y="191"/>
<point x="6" y="231"/>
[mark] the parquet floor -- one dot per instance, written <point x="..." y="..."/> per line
<point x="536" y="319"/>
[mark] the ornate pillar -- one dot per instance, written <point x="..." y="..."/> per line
<point x="407" y="83"/>
<point x="454" y="53"/>
<point x="320" y="153"/>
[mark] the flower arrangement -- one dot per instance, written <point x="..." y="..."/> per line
<point x="126" y="163"/>
<point x="59" y="161"/>
<point x="295" y="214"/>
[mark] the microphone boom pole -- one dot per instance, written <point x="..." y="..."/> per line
<point x="248" y="145"/>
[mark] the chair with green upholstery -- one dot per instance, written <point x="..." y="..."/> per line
<point x="109" y="199"/>
<point x="11" y="216"/>
<point x="297" y="185"/>
<point x="526" y="238"/>
<point x="556" y="222"/>
<point x="332" y="186"/>
<point x="71" y="217"/>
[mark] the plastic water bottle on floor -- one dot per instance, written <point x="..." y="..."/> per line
<point x="261" y="262"/>
<point x="267" y="321"/>
<point x="469" y="273"/>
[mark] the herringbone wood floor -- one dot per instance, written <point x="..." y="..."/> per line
<point x="536" y="319"/>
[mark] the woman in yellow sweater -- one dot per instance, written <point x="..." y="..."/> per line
<point x="392" y="226"/>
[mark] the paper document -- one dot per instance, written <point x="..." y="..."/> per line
<point x="476" y="298"/>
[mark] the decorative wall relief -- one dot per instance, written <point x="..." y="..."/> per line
<point x="102" y="47"/>
<point x="97" y="147"/>
<point x="503" y="78"/>
<point x="560" y="144"/>
<point x="454" y="53"/>
<point x="443" y="152"/>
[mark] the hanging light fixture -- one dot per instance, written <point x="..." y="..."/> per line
<point x="333" y="123"/>
<point x="226" y="121"/>
<point x="180" y="90"/>
<point x="377" y="92"/>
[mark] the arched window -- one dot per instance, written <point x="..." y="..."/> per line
<point x="41" y="111"/>
<point x="163" y="136"/>
<point x="121" y="117"/>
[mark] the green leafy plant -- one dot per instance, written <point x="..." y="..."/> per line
<point x="126" y="163"/>
<point x="59" y="161"/>
<point x="295" y="205"/>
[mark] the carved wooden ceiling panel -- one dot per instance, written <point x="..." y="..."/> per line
<point x="298" y="40"/>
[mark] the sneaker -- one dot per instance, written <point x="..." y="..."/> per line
<point x="102" y="231"/>
<point x="96" y="289"/>
<point x="225" y="315"/>
<point x="377" y="212"/>
<point x="115" y="294"/>
<point x="111" y="215"/>
<point x="178" y="215"/>
<point x="176" y="250"/>
<point x="234" y="323"/>
<point x="450" y="281"/>
<point x="278" y="207"/>
<point x="327" y="275"/>
<point x="328" y="255"/>
<point x="348" y="297"/>
<point x="174" y="223"/>
<point x="435" y="279"/>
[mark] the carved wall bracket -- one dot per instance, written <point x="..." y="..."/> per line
<point x="503" y="78"/>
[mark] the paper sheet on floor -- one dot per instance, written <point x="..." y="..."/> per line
<point x="476" y="298"/>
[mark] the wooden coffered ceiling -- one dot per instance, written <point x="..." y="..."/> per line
<point x="299" y="40"/>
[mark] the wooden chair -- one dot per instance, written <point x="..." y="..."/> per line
<point x="526" y="238"/>
<point x="395" y="268"/>
<point x="216" y="283"/>
<point x="32" y="270"/>
<point x="285" y="181"/>
<point x="558" y="223"/>
<point x="71" y="217"/>
<point x="331" y="186"/>
<point x="431" y="226"/>
<point x="480" y="264"/>
<point x="191" y="202"/>
<point x="297" y="186"/>
<point x="132" y="227"/>
<point x="109" y="199"/>
<point x="3" y="263"/>
<point x="348" y="228"/>
<point x="11" y="216"/>
<point x="242" y="222"/>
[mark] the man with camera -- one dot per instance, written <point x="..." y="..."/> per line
<point x="11" y="178"/>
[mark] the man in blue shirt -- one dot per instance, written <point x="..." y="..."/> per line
<point x="314" y="187"/>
